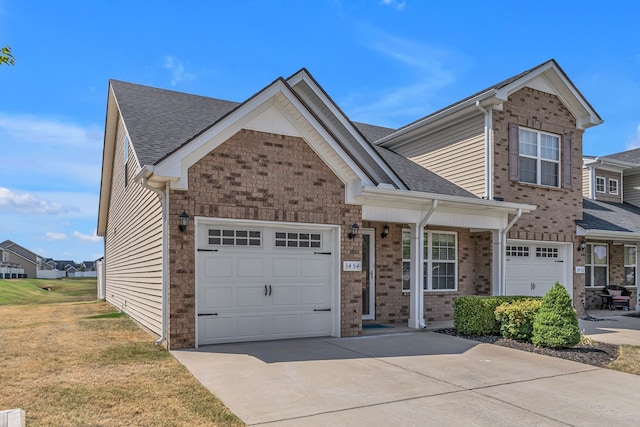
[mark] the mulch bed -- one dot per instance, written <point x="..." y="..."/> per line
<point x="595" y="354"/>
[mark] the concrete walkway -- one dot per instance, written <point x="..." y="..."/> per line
<point x="613" y="327"/>
<point x="409" y="379"/>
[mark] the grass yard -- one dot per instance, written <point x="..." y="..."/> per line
<point x="46" y="291"/>
<point x="83" y="364"/>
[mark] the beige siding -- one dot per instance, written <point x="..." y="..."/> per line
<point x="133" y="245"/>
<point x="456" y="153"/>
<point x="586" y="182"/>
<point x="631" y="192"/>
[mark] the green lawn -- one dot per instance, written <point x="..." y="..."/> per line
<point x="46" y="291"/>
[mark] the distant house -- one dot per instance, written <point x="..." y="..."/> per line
<point x="20" y="257"/>
<point x="88" y="266"/>
<point x="63" y="265"/>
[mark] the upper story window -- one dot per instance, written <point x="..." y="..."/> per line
<point x="539" y="161"/>
<point x="613" y="186"/>
<point x="126" y="161"/>
<point x="600" y="184"/>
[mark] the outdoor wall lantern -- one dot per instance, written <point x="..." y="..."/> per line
<point x="583" y="244"/>
<point x="184" y="221"/>
<point x="385" y="231"/>
<point x="354" y="231"/>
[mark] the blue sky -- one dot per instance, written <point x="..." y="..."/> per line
<point x="384" y="62"/>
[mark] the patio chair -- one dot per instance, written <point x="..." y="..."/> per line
<point x="620" y="296"/>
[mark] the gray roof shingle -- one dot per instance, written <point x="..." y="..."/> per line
<point x="610" y="216"/>
<point x="630" y="156"/>
<point x="159" y="121"/>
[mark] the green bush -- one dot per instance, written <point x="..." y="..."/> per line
<point x="556" y="324"/>
<point x="475" y="315"/>
<point x="516" y="318"/>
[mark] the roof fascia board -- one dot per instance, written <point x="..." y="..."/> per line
<point x="454" y="112"/>
<point x="108" y="154"/>
<point x="175" y="166"/>
<point x="303" y="75"/>
<point x="612" y="235"/>
<point x="421" y="198"/>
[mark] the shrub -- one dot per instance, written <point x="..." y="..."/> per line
<point x="516" y="318"/>
<point x="556" y="324"/>
<point x="475" y="315"/>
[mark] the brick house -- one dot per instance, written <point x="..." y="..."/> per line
<point x="279" y="217"/>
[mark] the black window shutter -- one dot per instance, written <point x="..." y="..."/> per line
<point x="514" y="158"/>
<point x="566" y="161"/>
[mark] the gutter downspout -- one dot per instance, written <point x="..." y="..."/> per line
<point x="488" y="167"/>
<point x="163" y="197"/>
<point x="503" y="252"/>
<point x="420" y="264"/>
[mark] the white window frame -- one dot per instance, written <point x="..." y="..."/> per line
<point x="5" y="256"/>
<point x="630" y="265"/>
<point x="601" y="184"/>
<point x="429" y="261"/>
<point x="538" y="157"/>
<point x="592" y="265"/>
<point x="617" y="186"/>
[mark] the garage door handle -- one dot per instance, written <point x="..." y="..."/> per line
<point x="321" y="309"/>
<point x="207" y="314"/>
<point x="269" y="290"/>
<point x="265" y="290"/>
<point x="207" y="250"/>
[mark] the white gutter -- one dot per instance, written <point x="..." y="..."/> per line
<point x="163" y="197"/>
<point x="420" y="263"/>
<point x="488" y="168"/>
<point x="629" y="236"/>
<point x="503" y="253"/>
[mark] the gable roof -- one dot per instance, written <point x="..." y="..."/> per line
<point x="629" y="156"/>
<point x="548" y="76"/>
<point x="21" y="251"/>
<point x="604" y="218"/>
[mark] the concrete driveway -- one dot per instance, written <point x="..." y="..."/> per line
<point x="409" y="379"/>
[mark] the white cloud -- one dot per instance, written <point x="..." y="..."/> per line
<point x="87" y="237"/>
<point x="56" y="236"/>
<point x="30" y="129"/>
<point x="28" y="203"/>
<point x="178" y="72"/>
<point x="397" y="5"/>
<point x="635" y="142"/>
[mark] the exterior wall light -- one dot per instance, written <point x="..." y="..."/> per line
<point x="184" y="221"/>
<point x="385" y="231"/>
<point x="583" y="244"/>
<point x="354" y="231"/>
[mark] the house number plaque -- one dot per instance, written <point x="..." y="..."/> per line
<point x="352" y="266"/>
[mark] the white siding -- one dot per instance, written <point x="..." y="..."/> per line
<point x="586" y="182"/>
<point x="631" y="190"/>
<point x="456" y="153"/>
<point x="133" y="245"/>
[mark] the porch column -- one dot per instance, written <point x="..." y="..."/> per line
<point x="499" y="261"/>
<point x="416" y="306"/>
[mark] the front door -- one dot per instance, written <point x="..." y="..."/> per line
<point x="368" y="268"/>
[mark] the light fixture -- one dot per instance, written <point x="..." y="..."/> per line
<point x="385" y="231"/>
<point x="583" y="244"/>
<point x="184" y="221"/>
<point x="354" y="231"/>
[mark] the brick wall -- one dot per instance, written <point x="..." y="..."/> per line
<point x="258" y="176"/>
<point x="558" y="208"/>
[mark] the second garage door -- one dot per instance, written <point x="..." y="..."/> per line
<point x="260" y="282"/>
<point x="534" y="267"/>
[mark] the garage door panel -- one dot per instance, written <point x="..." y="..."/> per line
<point x="250" y="296"/>
<point x="316" y="267"/>
<point x="285" y="324"/>
<point x="216" y="297"/>
<point x="215" y="328"/>
<point x="314" y="323"/>
<point x="315" y="295"/>
<point x="216" y="267"/>
<point x="251" y="326"/>
<point x="534" y="267"/>
<point x="285" y="296"/>
<point x="284" y="267"/>
<point x="250" y="266"/>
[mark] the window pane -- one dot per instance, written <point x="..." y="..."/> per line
<point x="528" y="171"/>
<point x="588" y="254"/>
<point x="587" y="276"/>
<point x="600" y="185"/>
<point x="528" y="144"/>
<point x="443" y="275"/>
<point x="406" y="245"/>
<point x="600" y="255"/>
<point x="549" y="173"/>
<point x="630" y="255"/>
<point x="443" y="247"/>
<point x="630" y="276"/>
<point x="549" y="147"/>
<point x="599" y="276"/>
<point x="406" y="267"/>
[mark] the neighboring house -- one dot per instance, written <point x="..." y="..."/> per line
<point x="610" y="227"/>
<point x="21" y="257"/>
<point x="279" y="217"/>
<point x="88" y="266"/>
<point x="63" y="265"/>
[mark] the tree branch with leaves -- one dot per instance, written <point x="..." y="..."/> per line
<point x="6" y="57"/>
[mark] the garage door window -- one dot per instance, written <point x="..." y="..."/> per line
<point x="517" y="251"/>
<point x="233" y="237"/>
<point x="543" y="252"/>
<point x="297" y="240"/>
<point x="596" y="265"/>
<point x="440" y="261"/>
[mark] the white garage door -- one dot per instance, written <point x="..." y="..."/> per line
<point x="534" y="267"/>
<point x="263" y="282"/>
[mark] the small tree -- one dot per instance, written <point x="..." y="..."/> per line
<point x="556" y="324"/>
<point x="6" y="57"/>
